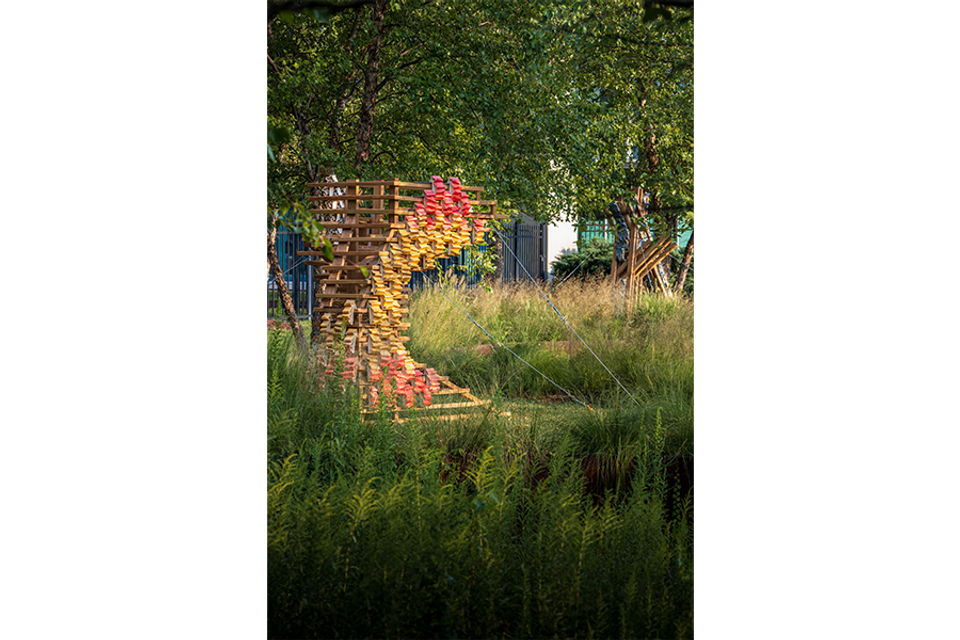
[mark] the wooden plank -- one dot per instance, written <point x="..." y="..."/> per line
<point x="408" y="211"/>
<point x="658" y="253"/>
<point x="387" y="183"/>
<point x="350" y="281"/>
<point x="376" y="224"/>
<point x="341" y="240"/>
<point x="361" y="197"/>
<point x="454" y="405"/>
<point x="333" y="268"/>
<point x="367" y="184"/>
<point x="650" y="266"/>
<point x="345" y="296"/>
<point x="340" y="254"/>
<point x="364" y="214"/>
<point x="446" y="392"/>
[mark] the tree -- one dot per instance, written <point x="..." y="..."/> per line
<point x="526" y="98"/>
<point x="640" y="63"/>
<point x="556" y="107"/>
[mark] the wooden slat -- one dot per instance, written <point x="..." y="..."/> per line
<point x="329" y="282"/>
<point x="340" y="254"/>
<point x="455" y="405"/>
<point x="361" y="197"/>
<point x="324" y="296"/>
<point x="363" y="225"/>
<point x="361" y="239"/>
<point x="358" y="211"/>
<point x="654" y="255"/>
<point x="387" y="183"/>
<point x="332" y="267"/>
<point x="400" y="211"/>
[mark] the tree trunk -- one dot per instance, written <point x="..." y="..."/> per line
<point x="285" y="300"/>
<point x="684" y="265"/>
<point x="370" y="77"/>
<point x="271" y="239"/>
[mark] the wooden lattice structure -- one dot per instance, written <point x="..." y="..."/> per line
<point x="643" y="256"/>
<point x="384" y="231"/>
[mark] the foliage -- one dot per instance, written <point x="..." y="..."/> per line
<point x="592" y="261"/>
<point x="546" y="103"/>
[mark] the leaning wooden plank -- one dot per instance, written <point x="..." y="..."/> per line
<point x="649" y="264"/>
<point x="654" y="255"/>
<point x="452" y="405"/>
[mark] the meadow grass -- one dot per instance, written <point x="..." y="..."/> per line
<point x="641" y="362"/>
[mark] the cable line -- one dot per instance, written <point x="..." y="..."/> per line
<point x="504" y="243"/>
<point x="505" y="346"/>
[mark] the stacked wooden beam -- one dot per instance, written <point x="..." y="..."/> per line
<point x="378" y="240"/>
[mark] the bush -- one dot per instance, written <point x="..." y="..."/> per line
<point x="596" y="258"/>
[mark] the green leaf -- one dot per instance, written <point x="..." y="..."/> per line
<point x="327" y="250"/>
<point x="363" y="270"/>
<point x="277" y="134"/>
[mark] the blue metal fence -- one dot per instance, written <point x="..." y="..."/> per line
<point x="299" y="277"/>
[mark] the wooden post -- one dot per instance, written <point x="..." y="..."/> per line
<point x="632" y="284"/>
<point x="613" y="267"/>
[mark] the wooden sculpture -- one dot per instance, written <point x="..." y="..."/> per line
<point x="636" y="254"/>
<point x="379" y="238"/>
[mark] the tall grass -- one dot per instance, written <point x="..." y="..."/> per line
<point x="426" y="529"/>
<point x="645" y="345"/>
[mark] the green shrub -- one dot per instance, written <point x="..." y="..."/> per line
<point x="595" y="258"/>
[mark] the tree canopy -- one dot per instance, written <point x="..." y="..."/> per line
<point x="556" y="107"/>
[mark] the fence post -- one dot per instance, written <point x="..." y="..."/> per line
<point x="516" y="249"/>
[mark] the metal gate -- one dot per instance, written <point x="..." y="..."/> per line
<point x="525" y="248"/>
